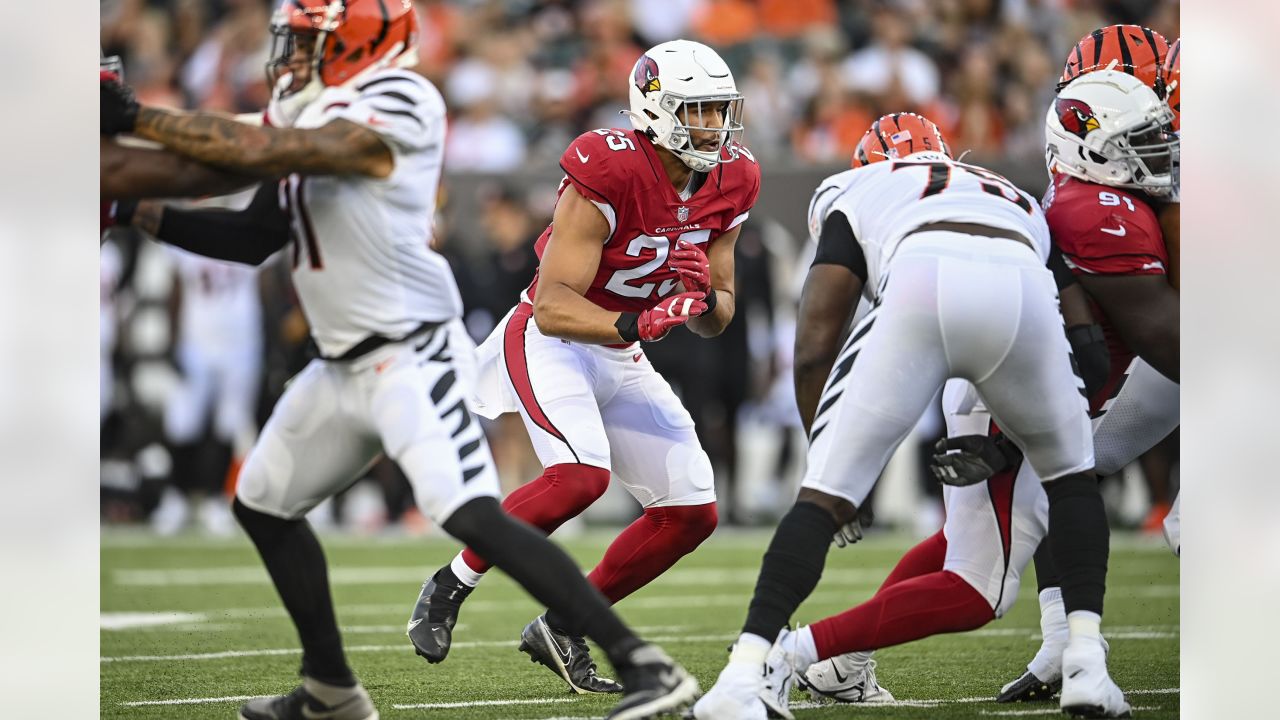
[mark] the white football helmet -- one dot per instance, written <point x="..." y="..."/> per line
<point x="1110" y="128"/>
<point x="677" y="87"/>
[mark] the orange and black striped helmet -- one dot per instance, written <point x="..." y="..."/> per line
<point x="898" y="135"/>
<point x="1136" y="50"/>
<point x="1171" y="81"/>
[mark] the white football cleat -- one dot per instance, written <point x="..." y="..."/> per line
<point x="849" y="678"/>
<point x="1087" y="689"/>
<point x="779" y="676"/>
<point x="735" y="696"/>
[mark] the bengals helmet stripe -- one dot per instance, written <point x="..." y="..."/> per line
<point x="886" y="142"/>
<point x="1136" y="50"/>
<point x="1171" y="81"/>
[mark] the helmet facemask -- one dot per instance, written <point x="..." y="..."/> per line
<point x="293" y="69"/>
<point x="701" y="128"/>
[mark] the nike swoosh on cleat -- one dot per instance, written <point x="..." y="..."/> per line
<point x="1074" y="674"/>
<point x="839" y="678"/>
<point x="413" y="624"/>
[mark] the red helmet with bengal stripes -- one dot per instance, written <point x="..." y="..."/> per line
<point x="1136" y="50"/>
<point x="898" y="135"/>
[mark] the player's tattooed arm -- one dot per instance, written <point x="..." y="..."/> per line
<point x="128" y="172"/>
<point x="720" y="259"/>
<point x="1144" y="310"/>
<point x="340" y="147"/>
<point x="827" y="302"/>
<point x="569" y="263"/>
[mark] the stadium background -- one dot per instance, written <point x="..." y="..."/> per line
<point x="521" y="79"/>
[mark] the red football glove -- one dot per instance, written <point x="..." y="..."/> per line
<point x="654" y="323"/>
<point x="690" y="263"/>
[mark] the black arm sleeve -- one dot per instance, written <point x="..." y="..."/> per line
<point x="247" y="236"/>
<point x="1062" y="274"/>
<point x="838" y="246"/>
<point x="1093" y="357"/>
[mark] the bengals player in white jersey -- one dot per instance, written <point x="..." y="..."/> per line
<point x="952" y="259"/>
<point x="351" y="156"/>
<point x="1107" y="229"/>
<point x="641" y="242"/>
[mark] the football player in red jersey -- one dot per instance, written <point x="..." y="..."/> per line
<point x="641" y="242"/>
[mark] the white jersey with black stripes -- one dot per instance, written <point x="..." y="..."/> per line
<point x="885" y="201"/>
<point x="362" y="262"/>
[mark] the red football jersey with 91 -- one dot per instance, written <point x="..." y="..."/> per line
<point x="1103" y="230"/>
<point x="620" y="173"/>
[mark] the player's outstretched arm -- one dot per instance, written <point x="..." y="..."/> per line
<point x="830" y="294"/>
<point x="340" y="147"/>
<point x="130" y="173"/>
<point x="1144" y="309"/>
<point x="247" y="236"/>
<point x="721" y="261"/>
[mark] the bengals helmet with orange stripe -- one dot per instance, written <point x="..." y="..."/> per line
<point x="1134" y="49"/>
<point x="345" y="39"/>
<point x="1171" y="80"/>
<point x="898" y="135"/>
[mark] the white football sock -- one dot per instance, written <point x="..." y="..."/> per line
<point x="1084" y="625"/>
<point x="800" y="646"/>
<point x="1047" y="664"/>
<point x="750" y="648"/>
<point x="469" y="577"/>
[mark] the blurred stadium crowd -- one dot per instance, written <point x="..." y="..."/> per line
<point x="194" y="352"/>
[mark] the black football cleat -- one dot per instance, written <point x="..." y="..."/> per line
<point x="655" y="685"/>
<point x="443" y="594"/>
<point x="565" y="655"/>
<point x="1029" y="688"/>
<point x="302" y="704"/>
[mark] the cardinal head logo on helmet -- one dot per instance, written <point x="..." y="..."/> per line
<point x="646" y="75"/>
<point x="1076" y="116"/>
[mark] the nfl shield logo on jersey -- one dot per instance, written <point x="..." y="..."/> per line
<point x="682" y="214"/>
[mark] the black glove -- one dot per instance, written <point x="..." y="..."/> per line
<point x="970" y="459"/>
<point x="118" y="110"/>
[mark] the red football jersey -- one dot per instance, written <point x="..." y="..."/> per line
<point x="621" y="174"/>
<point x="1103" y="230"/>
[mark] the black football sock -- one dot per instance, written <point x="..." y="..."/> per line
<point x="1047" y="575"/>
<point x="448" y="595"/>
<point x="1080" y="539"/>
<point x="792" y="567"/>
<point x="295" y="561"/>
<point x="544" y="571"/>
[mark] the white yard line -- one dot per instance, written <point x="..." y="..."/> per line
<point x="480" y="703"/>
<point x="136" y="620"/>
<point x="190" y="701"/>
<point x="549" y="701"/>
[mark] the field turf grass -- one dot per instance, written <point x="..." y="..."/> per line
<point x="193" y="625"/>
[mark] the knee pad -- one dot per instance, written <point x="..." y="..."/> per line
<point x="578" y="485"/>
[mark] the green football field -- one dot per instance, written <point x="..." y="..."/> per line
<point x="191" y="627"/>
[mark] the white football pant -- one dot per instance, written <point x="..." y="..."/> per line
<point x="405" y="399"/>
<point x="595" y="405"/>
